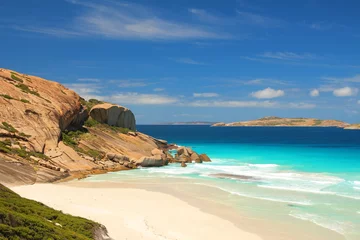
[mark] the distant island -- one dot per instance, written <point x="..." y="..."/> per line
<point x="289" y="122"/>
<point x="187" y="123"/>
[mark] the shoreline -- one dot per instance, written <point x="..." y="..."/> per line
<point x="176" y="198"/>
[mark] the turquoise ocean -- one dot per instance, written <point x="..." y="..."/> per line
<point x="314" y="172"/>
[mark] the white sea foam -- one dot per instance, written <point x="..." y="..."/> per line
<point x="304" y="203"/>
<point x="337" y="226"/>
<point x="297" y="189"/>
<point x="264" y="165"/>
<point x="356" y="183"/>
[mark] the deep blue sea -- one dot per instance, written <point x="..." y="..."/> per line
<point x="314" y="170"/>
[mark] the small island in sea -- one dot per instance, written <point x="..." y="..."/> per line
<point x="289" y="122"/>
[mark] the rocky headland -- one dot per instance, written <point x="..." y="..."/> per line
<point x="286" y="122"/>
<point x="49" y="133"/>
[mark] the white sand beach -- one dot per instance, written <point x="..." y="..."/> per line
<point x="135" y="213"/>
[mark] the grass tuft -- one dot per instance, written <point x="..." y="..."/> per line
<point x="15" y="77"/>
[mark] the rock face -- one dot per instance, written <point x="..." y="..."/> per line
<point x="37" y="108"/>
<point x="114" y="115"/>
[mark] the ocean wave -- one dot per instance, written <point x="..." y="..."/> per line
<point x="304" y="203"/>
<point x="263" y="165"/>
<point x="336" y="226"/>
<point x="356" y="183"/>
<point x="295" y="189"/>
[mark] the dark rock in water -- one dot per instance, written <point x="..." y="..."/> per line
<point x="233" y="176"/>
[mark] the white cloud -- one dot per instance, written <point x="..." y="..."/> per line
<point x="142" y="99"/>
<point x="159" y="89"/>
<point x="315" y="93"/>
<point x="251" y="104"/>
<point x="86" y="90"/>
<point x="288" y="55"/>
<point x="205" y="95"/>
<point x="345" y="92"/>
<point x="268" y="93"/>
<point x="358" y="102"/>
<point x="125" y="21"/>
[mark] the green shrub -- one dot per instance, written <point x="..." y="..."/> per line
<point x="21" y="218"/>
<point x="68" y="140"/>
<point x="318" y="122"/>
<point x="26" y="89"/>
<point x="15" y="77"/>
<point x="5" y="147"/>
<point x="90" y="122"/>
<point x="6" y="96"/>
<point x="25" y="101"/>
<point x="90" y="104"/>
<point x="8" y="127"/>
<point x="72" y="138"/>
<point x="24" y="135"/>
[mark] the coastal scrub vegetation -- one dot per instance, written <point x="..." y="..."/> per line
<point x="26" y="89"/>
<point x="72" y="139"/>
<point x="15" y="77"/>
<point x="90" y="122"/>
<point x="6" y="96"/>
<point x="90" y="103"/>
<point x="22" y="218"/>
<point x="6" y="147"/>
<point x="8" y="127"/>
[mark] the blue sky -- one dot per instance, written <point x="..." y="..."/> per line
<point x="200" y="60"/>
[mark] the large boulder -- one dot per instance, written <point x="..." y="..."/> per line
<point x="183" y="151"/>
<point x="154" y="161"/>
<point x="114" y="115"/>
<point x="204" y="158"/>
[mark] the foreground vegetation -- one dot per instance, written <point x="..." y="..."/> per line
<point x="23" y="219"/>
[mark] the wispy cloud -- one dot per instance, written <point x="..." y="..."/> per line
<point x="288" y="55"/>
<point x="132" y="83"/>
<point x="125" y="21"/>
<point x="133" y="98"/>
<point x="265" y="81"/>
<point x="306" y="59"/>
<point x="268" y="93"/>
<point x="205" y="95"/>
<point x="159" y="89"/>
<point x="205" y="16"/>
<point x="95" y="80"/>
<point x="259" y="20"/>
<point x="354" y="79"/>
<point x="86" y="90"/>
<point x="323" y="26"/>
<point x="251" y="104"/>
<point x="187" y="61"/>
